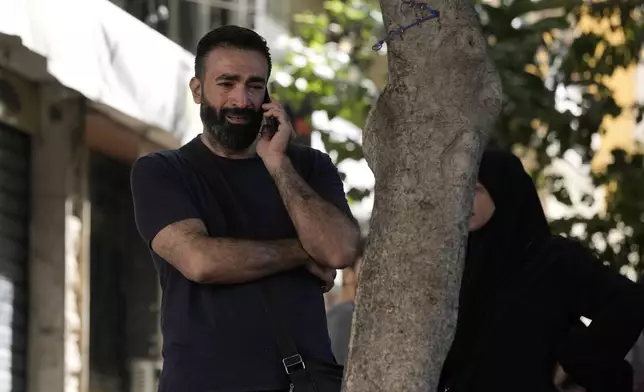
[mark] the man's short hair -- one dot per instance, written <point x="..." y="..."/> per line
<point x="232" y="37"/>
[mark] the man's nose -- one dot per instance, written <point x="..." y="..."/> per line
<point x="241" y="97"/>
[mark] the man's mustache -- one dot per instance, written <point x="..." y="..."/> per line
<point x="247" y="112"/>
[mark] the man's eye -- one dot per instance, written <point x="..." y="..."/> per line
<point x="257" y="87"/>
<point x="226" y="84"/>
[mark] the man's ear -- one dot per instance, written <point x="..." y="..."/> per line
<point x="195" y="88"/>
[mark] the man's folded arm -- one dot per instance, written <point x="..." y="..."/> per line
<point x="203" y="259"/>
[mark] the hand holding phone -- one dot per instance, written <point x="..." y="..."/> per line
<point x="277" y="133"/>
<point x="271" y="123"/>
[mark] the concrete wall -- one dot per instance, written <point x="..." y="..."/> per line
<point x="19" y="104"/>
<point x="54" y="117"/>
<point x="62" y="129"/>
<point x="58" y="227"/>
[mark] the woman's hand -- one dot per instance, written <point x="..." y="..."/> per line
<point x="559" y="379"/>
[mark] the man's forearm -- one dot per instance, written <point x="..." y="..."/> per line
<point x="328" y="235"/>
<point x="230" y="261"/>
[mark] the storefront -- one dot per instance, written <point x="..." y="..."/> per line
<point x="86" y="105"/>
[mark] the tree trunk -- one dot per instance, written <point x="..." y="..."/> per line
<point x="423" y="141"/>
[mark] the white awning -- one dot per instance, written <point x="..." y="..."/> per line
<point x="99" y="50"/>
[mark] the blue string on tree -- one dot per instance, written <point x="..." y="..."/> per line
<point x="431" y="14"/>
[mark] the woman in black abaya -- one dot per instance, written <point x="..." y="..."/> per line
<point x="523" y="293"/>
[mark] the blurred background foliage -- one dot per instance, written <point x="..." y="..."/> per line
<point x="557" y="59"/>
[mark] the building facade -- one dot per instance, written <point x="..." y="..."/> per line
<point x="79" y="102"/>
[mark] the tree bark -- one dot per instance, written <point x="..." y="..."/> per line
<point x="423" y="140"/>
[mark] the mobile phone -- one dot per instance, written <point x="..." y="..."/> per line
<point x="271" y="122"/>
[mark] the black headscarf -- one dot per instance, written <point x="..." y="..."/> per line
<point x="497" y="251"/>
<point x="499" y="248"/>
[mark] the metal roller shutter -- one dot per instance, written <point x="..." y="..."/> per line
<point x="14" y="231"/>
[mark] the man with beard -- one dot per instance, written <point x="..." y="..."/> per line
<point x="233" y="210"/>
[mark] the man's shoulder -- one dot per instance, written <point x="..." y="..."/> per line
<point x="161" y="160"/>
<point x="306" y="159"/>
<point x="164" y="166"/>
<point x="304" y="151"/>
<point x="160" y="157"/>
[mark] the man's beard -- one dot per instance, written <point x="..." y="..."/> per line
<point x="232" y="137"/>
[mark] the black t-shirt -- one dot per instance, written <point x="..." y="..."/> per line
<point x="217" y="337"/>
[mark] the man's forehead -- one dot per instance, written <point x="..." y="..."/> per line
<point x="230" y="61"/>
